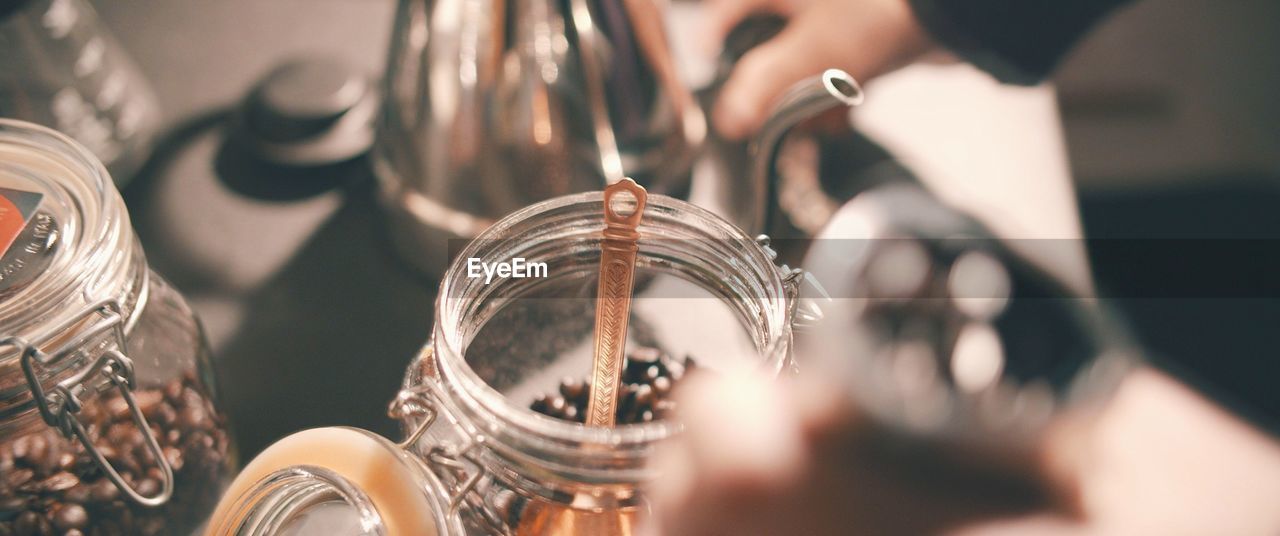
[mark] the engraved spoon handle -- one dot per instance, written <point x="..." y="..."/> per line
<point x="623" y="207"/>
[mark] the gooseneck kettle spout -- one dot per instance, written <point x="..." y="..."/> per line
<point x="808" y="98"/>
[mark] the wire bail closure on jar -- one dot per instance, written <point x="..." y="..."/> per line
<point x="59" y="406"/>
<point x="806" y="312"/>
<point x="423" y="402"/>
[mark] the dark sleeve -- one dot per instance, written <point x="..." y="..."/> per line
<point x="1017" y="41"/>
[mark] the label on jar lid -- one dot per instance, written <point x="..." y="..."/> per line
<point x="28" y="239"/>
<point x="17" y="207"/>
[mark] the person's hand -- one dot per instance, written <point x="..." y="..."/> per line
<point x="759" y="457"/>
<point x="865" y="38"/>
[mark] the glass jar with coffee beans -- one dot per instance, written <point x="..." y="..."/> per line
<point x="492" y="406"/>
<point x="108" y="419"/>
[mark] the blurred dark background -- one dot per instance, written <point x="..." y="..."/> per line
<point x="1173" y="130"/>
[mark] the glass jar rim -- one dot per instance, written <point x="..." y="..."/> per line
<point x="388" y="488"/>
<point x="93" y="259"/>
<point x="451" y="349"/>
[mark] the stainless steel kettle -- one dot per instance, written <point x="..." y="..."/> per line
<point x="492" y="105"/>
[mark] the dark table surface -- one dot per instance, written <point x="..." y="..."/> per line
<point x="311" y="317"/>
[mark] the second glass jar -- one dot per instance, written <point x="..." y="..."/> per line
<point x="109" y="422"/>
<point x="481" y="459"/>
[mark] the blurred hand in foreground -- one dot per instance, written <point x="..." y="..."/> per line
<point x="760" y="457"/>
<point x="865" y="38"/>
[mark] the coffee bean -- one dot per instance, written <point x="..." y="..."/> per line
<point x="192" y="398"/>
<point x="626" y="401"/>
<point x="117" y="433"/>
<point x="19" y="477"/>
<point x="644" y="395"/>
<point x="540" y="404"/>
<point x="662" y="386"/>
<point x="27" y="523"/>
<point x="91" y="413"/>
<point x="70" y="516"/>
<point x="59" y="482"/>
<point x="174" y="457"/>
<point x="12" y="503"/>
<point x="148" y="401"/>
<point x="164" y="414"/>
<point x="78" y="494"/>
<point x="43" y="458"/>
<point x="173" y="392"/>
<point x="118" y="408"/>
<point x="192" y="417"/>
<point x="104" y="491"/>
<point x="676" y="373"/>
<point x="573" y="389"/>
<point x="147" y="487"/>
<point x="645" y="355"/>
<point x="21" y="446"/>
<point x="125" y="463"/>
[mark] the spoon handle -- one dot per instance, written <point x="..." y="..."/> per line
<point x="623" y="207"/>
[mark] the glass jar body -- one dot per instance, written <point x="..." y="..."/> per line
<point x="51" y="481"/>
<point x="514" y="471"/>
<point x="108" y="419"/>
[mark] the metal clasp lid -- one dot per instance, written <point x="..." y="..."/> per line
<point x="58" y="406"/>
<point x="422" y="403"/>
<point x="806" y="308"/>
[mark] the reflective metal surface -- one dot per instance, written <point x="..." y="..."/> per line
<point x="775" y="167"/>
<point x="493" y="106"/>
<point x="808" y="98"/>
